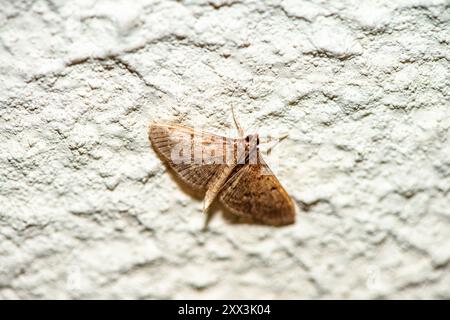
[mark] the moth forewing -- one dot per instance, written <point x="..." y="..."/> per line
<point x="249" y="192"/>
<point x="167" y="137"/>
<point x="181" y="151"/>
<point x="213" y="150"/>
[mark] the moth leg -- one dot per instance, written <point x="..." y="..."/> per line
<point x="238" y="126"/>
<point x="207" y="202"/>
<point x="282" y="137"/>
<point x="277" y="141"/>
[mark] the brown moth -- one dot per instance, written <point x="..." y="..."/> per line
<point x="230" y="169"/>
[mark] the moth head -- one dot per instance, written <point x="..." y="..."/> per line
<point x="252" y="138"/>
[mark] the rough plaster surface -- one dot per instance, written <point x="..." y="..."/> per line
<point x="87" y="210"/>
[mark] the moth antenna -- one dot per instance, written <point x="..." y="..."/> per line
<point x="236" y="122"/>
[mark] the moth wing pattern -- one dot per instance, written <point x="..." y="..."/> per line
<point x="253" y="191"/>
<point x="195" y="173"/>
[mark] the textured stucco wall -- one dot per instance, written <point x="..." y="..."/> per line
<point x="87" y="210"/>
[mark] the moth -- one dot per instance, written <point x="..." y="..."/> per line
<point x="229" y="169"/>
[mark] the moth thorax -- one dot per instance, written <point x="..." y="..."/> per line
<point x="251" y="149"/>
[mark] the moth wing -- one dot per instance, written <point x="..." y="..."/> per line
<point x="194" y="155"/>
<point x="253" y="190"/>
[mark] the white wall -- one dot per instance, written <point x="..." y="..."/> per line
<point x="87" y="210"/>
